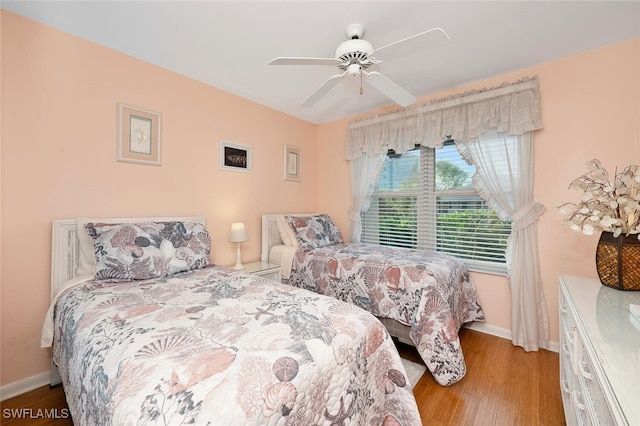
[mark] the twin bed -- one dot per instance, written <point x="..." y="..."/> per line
<point x="423" y="298"/>
<point x="151" y="333"/>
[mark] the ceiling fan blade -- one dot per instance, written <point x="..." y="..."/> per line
<point x="435" y="37"/>
<point x="323" y="90"/>
<point x="390" y="89"/>
<point x="304" y="61"/>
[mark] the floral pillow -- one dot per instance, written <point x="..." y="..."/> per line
<point x="140" y="251"/>
<point x="314" y="231"/>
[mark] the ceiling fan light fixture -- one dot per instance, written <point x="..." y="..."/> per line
<point x="354" y="70"/>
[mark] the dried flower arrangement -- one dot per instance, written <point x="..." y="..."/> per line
<point x="605" y="206"/>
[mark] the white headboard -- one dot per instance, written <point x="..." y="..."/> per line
<point x="270" y="233"/>
<point x="64" y="244"/>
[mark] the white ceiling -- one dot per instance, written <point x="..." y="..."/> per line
<point x="227" y="44"/>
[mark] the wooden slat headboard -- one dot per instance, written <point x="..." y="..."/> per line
<point x="270" y="233"/>
<point x="64" y="253"/>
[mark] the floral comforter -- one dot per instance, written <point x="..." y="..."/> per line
<point x="431" y="292"/>
<point x="215" y="346"/>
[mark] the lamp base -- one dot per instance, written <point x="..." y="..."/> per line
<point x="238" y="264"/>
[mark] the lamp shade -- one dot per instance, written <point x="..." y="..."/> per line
<point x="238" y="233"/>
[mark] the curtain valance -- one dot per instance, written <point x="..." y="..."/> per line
<point x="512" y="108"/>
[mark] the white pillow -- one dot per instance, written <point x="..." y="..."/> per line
<point x="286" y="233"/>
<point x="86" y="258"/>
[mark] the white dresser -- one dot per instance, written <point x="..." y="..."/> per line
<point x="599" y="353"/>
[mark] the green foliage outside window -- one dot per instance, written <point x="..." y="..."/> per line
<point x="450" y="175"/>
<point x="398" y="226"/>
<point x="458" y="233"/>
<point x="461" y="234"/>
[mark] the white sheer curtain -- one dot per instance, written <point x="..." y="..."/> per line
<point x="513" y="109"/>
<point x="509" y="191"/>
<point x="365" y="171"/>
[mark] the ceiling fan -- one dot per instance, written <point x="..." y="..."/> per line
<point x="354" y="57"/>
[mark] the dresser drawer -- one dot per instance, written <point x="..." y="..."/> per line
<point x="580" y="409"/>
<point x="592" y="391"/>
<point x="567" y="326"/>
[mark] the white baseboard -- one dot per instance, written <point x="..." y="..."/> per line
<point x="489" y="329"/>
<point x="24" y="385"/>
<point x="503" y="332"/>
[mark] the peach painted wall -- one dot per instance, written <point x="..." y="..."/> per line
<point x="590" y="107"/>
<point x="58" y="130"/>
<point x="59" y="112"/>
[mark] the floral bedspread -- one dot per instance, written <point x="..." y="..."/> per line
<point x="220" y="347"/>
<point x="431" y="292"/>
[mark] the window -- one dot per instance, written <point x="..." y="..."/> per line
<point x="417" y="205"/>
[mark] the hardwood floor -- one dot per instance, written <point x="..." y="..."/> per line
<point x="504" y="385"/>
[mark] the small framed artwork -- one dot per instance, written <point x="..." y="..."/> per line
<point x="292" y="163"/>
<point x="235" y="157"/>
<point x="139" y="136"/>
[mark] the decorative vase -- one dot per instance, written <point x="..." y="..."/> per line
<point x="618" y="261"/>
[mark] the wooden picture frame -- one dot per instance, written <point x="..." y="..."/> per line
<point x="292" y="157"/>
<point x="235" y="157"/>
<point x="139" y="138"/>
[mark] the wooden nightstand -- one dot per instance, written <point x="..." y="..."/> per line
<point x="264" y="269"/>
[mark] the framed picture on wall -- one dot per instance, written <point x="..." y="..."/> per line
<point x="139" y="136"/>
<point x="235" y="157"/>
<point x="292" y="163"/>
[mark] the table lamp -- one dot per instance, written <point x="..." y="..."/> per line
<point x="238" y="235"/>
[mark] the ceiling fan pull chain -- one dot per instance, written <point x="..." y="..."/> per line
<point x="361" y="91"/>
